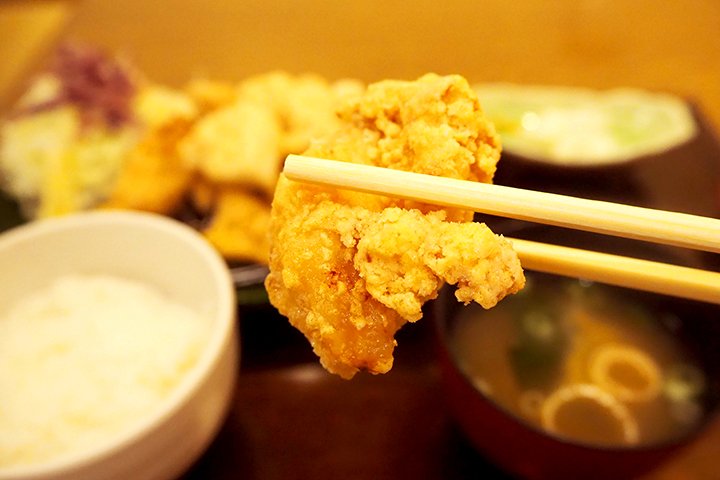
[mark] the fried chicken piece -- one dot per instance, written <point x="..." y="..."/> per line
<point x="239" y="226"/>
<point x="349" y="269"/>
<point x="304" y="104"/>
<point x="210" y="94"/>
<point x="349" y="278"/>
<point x="404" y="256"/>
<point x="433" y="126"/>
<point x="250" y="129"/>
<point x="237" y="144"/>
<point x="156" y="106"/>
<point x="152" y="177"/>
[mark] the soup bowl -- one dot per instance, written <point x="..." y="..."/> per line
<point x="527" y="438"/>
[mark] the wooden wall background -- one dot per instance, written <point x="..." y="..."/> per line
<point x="661" y="45"/>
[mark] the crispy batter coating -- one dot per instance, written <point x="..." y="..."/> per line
<point x="349" y="269"/>
<point x="239" y="226"/>
<point x="210" y="94"/>
<point x="303" y="104"/>
<point x="153" y="178"/>
<point x="250" y="129"/>
<point x="238" y="144"/>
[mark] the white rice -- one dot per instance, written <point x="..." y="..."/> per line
<point x="86" y="359"/>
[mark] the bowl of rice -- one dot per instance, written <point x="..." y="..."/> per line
<point x="119" y="347"/>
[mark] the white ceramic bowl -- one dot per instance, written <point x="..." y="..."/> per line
<point x="171" y="256"/>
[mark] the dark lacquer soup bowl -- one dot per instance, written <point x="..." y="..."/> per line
<point x="572" y="379"/>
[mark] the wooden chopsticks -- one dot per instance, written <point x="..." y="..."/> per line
<point x="670" y="228"/>
<point x="622" y="271"/>
<point x="658" y="226"/>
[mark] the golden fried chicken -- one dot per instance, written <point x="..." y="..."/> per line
<point x="210" y="94"/>
<point x="236" y="144"/>
<point x="303" y="104"/>
<point x="152" y="178"/>
<point x="239" y="226"/>
<point x="250" y="129"/>
<point x="349" y="269"/>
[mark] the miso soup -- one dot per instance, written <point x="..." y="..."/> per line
<point x="582" y="362"/>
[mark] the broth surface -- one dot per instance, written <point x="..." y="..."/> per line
<point x="575" y="359"/>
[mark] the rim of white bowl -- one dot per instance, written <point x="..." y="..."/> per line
<point x="219" y="339"/>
